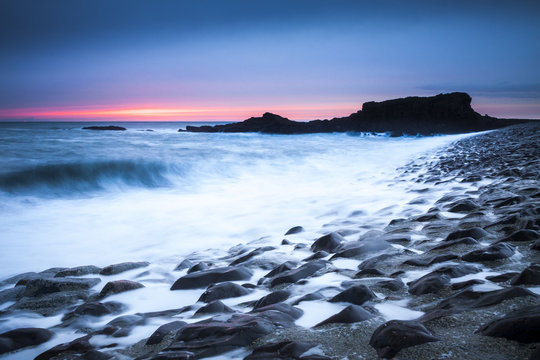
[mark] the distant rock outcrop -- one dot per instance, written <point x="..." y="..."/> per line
<point x="440" y="114"/>
<point x="110" y="127"/>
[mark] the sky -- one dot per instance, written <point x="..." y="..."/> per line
<point x="230" y="60"/>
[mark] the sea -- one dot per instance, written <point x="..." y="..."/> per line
<point x="71" y="197"/>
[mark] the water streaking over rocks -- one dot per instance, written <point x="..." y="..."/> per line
<point x="410" y="247"/>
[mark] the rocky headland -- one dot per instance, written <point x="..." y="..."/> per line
<point x="441" y="114"/>
<point x="460" y="281"/>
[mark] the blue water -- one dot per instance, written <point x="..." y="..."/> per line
<point x="70" y="197"/>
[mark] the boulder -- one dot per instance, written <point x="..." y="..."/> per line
<point x="529" y="276"/>
<point x="328" y="243"/>
<point x="20" y="338"/>
<point x="201" y="279"/>
<point x="163" y="331"/>
<point x="223" y="290"/>
<point x="357" y="295"/>
<point x="119" y="286"/>
<point x="79" y="271"/>
<point x="351" y="314"/>
<point x="286" y="350"/>
<point x="475" y="233"/>
<point x="214" y="307"/>
<point x="272" y="298"/>
<point x="40" y="287"/>
<point x="299" y="273"/>
<point x="294" y="230"/>
<point x="522" y="325"/>
<point x="120" y="268"/>
<point x="494" y="252"/>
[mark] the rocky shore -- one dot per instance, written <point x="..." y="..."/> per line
<point x="460" y="281"/>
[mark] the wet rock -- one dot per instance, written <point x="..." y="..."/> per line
<point x="309" y="297"/>
<point x="223" y="290"/>
<point x="494" y="252"/>
<point x="427" y="261"/>
<point x="375" y="261"/>
<point x="214" y="307"/>
<point x="299" y="273"/>
<point x="328" y="243"/>
<point x="294" y="230"/>
<point x="465" y="205"/>
<point x="475" y="233"/>
<point x="522" y="235"/>
<point x="272" y="298"/>
<point x="502" y="277"/>
<point x="389" y="338"/>
<point x="318" y="255"/>
<point x="454" y="271"/>
<point x="108" y="127"/>
<point x="468" y="299"/>
<point x="368" y="273"/>
<point x="122" y="325"/>
<point x="522" y="325"/>
<point x="287" y="350"/>
<point x="94" y="309"/>
<point x="78" y="346"/>
<point x="210" y="337"/>
<point x="40" y="287"/>
<point x="453" y="243"/>
<point x="11" y="294"/>
<point x="289" y="310"/>
<point x="392" y="285"/>
<point x="198" y="267"/>
<point x="251" y="254"/>
<point x="50" y="304"/>
<point x="286" y="266"/>
<point x="429" y="283"/>
<point x="428" y="217"/>
<point x="285" y="242"/>
<point x="529" y="276"/>
<point x="361" y="248"/>
<point x="185" y="264"/>
<point x="78" y="271"/>
<point x="535" y="245"/>
<point x="119" y="286"/>
<point x="20" y="338"/>
<point x="357" y="295"/>
<point x="165" y="330"/>
<point x="120" y="268"/>
<point x="204" y="278"/>
<point x="465" y="284"/>
<point x="351" y="314"/>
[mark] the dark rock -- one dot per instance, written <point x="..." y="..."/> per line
<point x="40" y="287"/>
<point x="109" y="127"/>
<point x="286" y="350"/>
<point x="522" y="325"/>
<point x="475" y="233"/>
<point x="119" y="286"/>
<point x="185" y="264"/>
<point x="309" y="297"/>
<point x="465" y="284"/>
<point x="223" y="290"/>
<point x="368" y="272"/>
<point x="529" y="276"/>
<point x="79" y="271"/>
<point x="522" y="235"/>
<point x="455" y="271"/>
<point x="285" y="242"/>
<point x="452" y="243"/>
<point x="94" y="309"/>
<point x="163" y="331"/>
<point x="465" y="205"/>
<point x="358" y="249"/>
<point x="50" y="304"/>
<point x="272" y="298"/>
<point x="535" y="245"/>
<point x="317" y="255"/>
<point x="468" y="299"/>
<point x="502" y="277"/>
<point x="23" y="337"/>
<point x="11" y="294"/>
<point x="286" y="266"/>
<point x="78" y="346"/>
<point x="355" y="295"/>
<point x="443" y="113"/>
<point x="293" y="312"/>
<point x="429" y="283"/>
<point x="328" y="243"/>
<point x="350" y="314"/>
<point x="120" y="268"/>
<point x="431" y="260"/>
<point x="214" y="307"/>
<point x="204" y="278"/>
<point x="392" y="285"/>
<point x="294" y="230"/>
<point x="201" y="266"/>
<point x="493" y="252"/>
<point x="389" y="338"/>
<point x="251" y="254"/>
<point x="299" y="273"/>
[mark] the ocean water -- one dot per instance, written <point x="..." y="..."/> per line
<point x="72" y="197"/>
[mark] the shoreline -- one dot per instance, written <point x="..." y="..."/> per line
<point x="505" y="205"/>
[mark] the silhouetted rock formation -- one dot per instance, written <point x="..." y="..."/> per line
<point x="440" y="114"/>
<point x="110" y="127"/>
